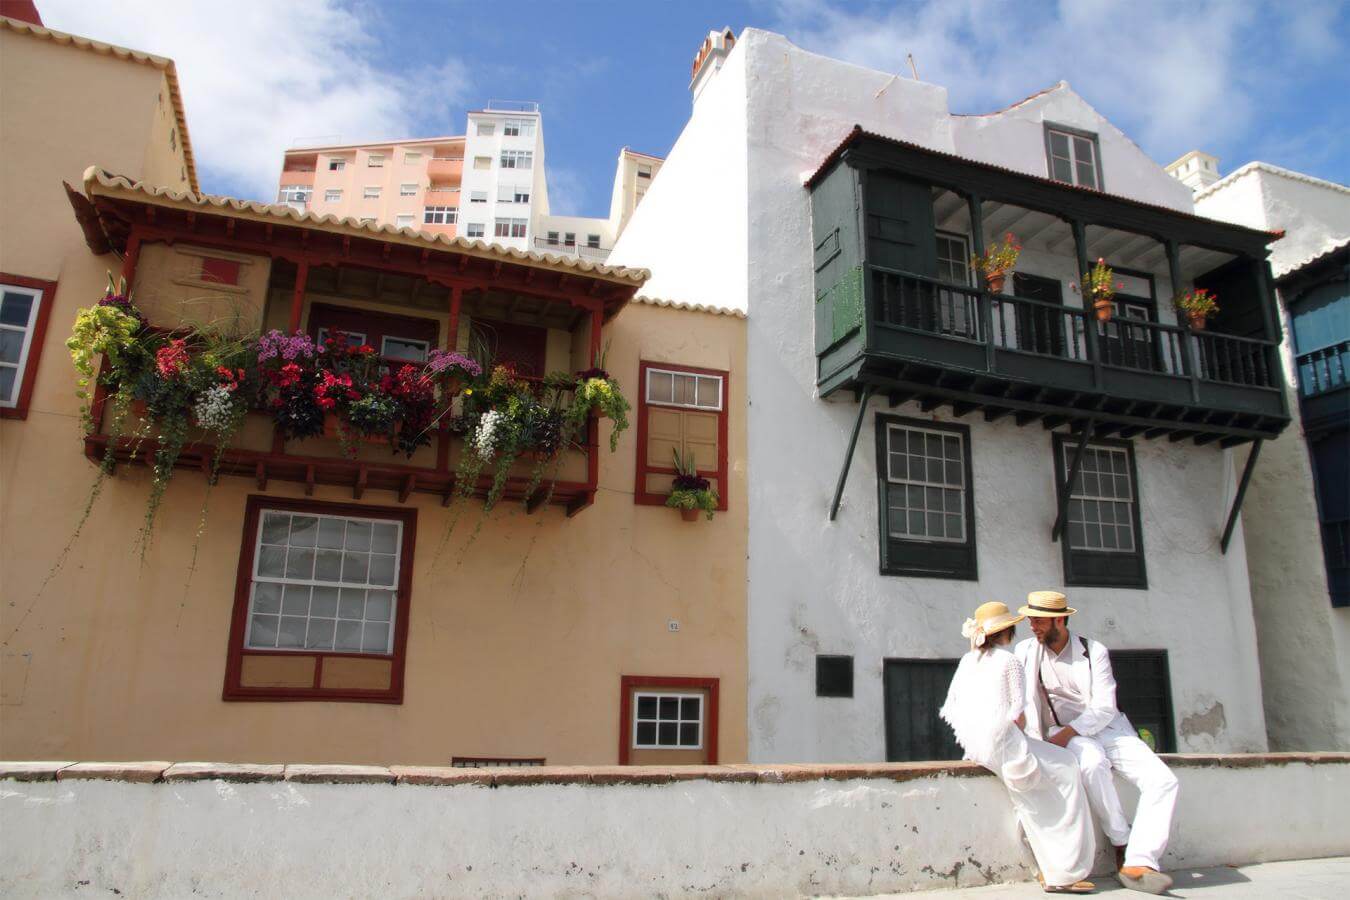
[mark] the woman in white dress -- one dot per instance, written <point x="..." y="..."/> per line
<point x="984" y="708"/>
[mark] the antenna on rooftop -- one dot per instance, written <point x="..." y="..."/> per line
<point x="913" y="68"/>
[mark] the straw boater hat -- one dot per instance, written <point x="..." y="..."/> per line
<point x="990" y="618"/>
<point x="1047" y="605"/>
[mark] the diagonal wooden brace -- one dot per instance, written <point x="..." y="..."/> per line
<point x="848" y="455"/>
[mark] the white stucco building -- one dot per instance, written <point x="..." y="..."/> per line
<point x="1298" y="564"/>
<point x="835" y="204"/>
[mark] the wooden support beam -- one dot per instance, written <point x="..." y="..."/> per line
<point x="448" y="494"/>
<point x="1208" y="438"/>
<point x="1026" y="418"/>
<point x="309" y="481"/>
<point x="1067" y="492"/>
<point x="577" y="504"/>
<point x="359" y="487"/>
<point x="993" y="415"/>
<point x="298" y="296"/>
<point x="1130" y="431"/>
<point x="1153" y="433"/>
<point x="1230" y="442"/>
<point x="409" y="484"/>
<point x="229" y="228"/>
<point x="895" y="398"/>
<point x="1241" y="493"/>
<point x="1050" y="423"/>
<point x="1177" y="437"/>
<point x="928" y="404"/>
<point x="848" y="454"/>
<point x="961" y="409"/>
<point x="260" y="473"/>
<point x="535" y="501"/>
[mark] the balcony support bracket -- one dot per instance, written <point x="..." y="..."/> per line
<point x="1064" y="495"/>
<point x="1241" y="493"/>
<point x="848" y="454"/>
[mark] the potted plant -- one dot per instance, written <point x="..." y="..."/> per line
<point x="1099" y="287"/>
<point x="690" y="493"/>
<point x="1197" y="305"/>
<point x="997" y="261"/>
<point x="453" y="371"/>
<point x="596" y="390"/>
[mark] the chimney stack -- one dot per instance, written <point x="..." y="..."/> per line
<point x="1197" y="170"/>
<point x="708" y="61"/>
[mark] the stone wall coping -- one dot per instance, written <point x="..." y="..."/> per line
<point x="761" y="773"/>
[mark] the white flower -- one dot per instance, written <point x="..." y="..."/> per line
<point x="214" y="409"/>
<point x="487" y="434"/>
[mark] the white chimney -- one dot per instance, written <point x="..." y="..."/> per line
<point x="708" y="61"/>
<point x="1197" y="170"/>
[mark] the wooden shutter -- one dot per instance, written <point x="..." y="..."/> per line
<point x="686" y="430"/>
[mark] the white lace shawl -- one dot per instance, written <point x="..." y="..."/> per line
<point x="985" y="698"/>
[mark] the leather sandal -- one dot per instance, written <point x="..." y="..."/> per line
<point x="1144" y="879"/>
<point x="1078" y="887"/>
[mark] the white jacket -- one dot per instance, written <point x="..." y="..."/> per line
<point x="1092" y="675"/>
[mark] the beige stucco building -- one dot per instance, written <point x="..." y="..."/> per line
<point x="549" y="631"/>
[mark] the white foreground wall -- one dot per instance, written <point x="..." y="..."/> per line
<point x="814" y="585"/>
<point x="734" y="831"/>
<point x="1304" y="641"/>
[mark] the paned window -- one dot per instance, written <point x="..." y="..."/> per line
<point x="404" y="221"/>
<point x="953" y="258"/>
<point x="336" y="164"/>
<point x="510" y="228"/>
<point x="926" y="504"/>
<point x="518" y="128"/>
<point x="474" y="229"/>
<point x="687" y="389"/>
<point x="295" y="193"/>
<point x="487" y="129"/>
<point x="569" y="239"/>
<point x="439" y="215"/>
<point x="407" y="190"/>
<point x="482" y="162"/>
<point x="24" y="307"/>
<point x="682" y="410"/>
<point x="375" y="161"/>
<point x="477" y="196"/>
<point x="332" y="196"/>
<point x="593" y="241"/>
<point x="553" y="238"/>
<point x="517" y="159"/>
<point x="1073" y="158"/>
<point x="409" y="349"/>
<point x="324" y="583"/>
<point x="1101" y="540"/>
<point x="371" y="193"/>
<point x="321" y="604"/>
<point x="662" y="721"/>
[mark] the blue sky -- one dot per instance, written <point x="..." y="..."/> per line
<point x="1242" y="79"/>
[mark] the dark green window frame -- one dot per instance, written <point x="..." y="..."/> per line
<point x="1100" y="568"/>
<point x="1144" y="694"/>
<point x="1073" y="133"/>
<point x="917" y="558"/>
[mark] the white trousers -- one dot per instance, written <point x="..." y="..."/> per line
<point x="1118" y="748"/>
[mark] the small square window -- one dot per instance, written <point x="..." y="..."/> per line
<point x="407" y="190"/>
<point x="834" y="676"/>
<point x="412" y="157"/>
<point x="487" y="129"/>
<point x="332" y="196"/>
<point x="336" y="165"/>
<point x="474" y="229"/>
<point x="477" y="196"/>
<point x="482" y="162"/>
<point x="667" y="721"/>
<point x="375" y="161"/>
<point x="403" y="221"/>
<point x="371" y="193"/>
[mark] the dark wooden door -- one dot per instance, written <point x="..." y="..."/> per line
<point x="1039" y="329"/>
<point x="914" y="691"/>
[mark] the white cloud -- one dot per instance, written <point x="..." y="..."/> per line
<point x="1176" y="76"/>
<point x="258" y="77"/>
<point x="567" y="193"/>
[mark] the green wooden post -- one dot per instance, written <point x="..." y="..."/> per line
<point x="976" y="206"/>
<point x="1089" y="317"/>
<point x="848" y="457"/>
<point x="1191" y="358"/>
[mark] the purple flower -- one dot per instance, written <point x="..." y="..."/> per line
<point x="288" y="347"/>
<point x="440" y="361"/>
<point x="122" y="304"/>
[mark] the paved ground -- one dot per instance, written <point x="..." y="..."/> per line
<point x="1311" y="879"/>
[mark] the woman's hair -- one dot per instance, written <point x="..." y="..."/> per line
<point x="998" y="638"/>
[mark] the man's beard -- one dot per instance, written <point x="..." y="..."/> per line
<point x="1045" y="637"/>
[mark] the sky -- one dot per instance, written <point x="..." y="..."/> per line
<point x="1238" y="78"/>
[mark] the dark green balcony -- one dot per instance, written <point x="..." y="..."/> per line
<point x="898" y="312"/>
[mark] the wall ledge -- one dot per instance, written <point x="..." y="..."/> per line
<point x="764" y="773"/>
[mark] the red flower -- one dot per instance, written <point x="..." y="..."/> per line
<point x="172" y="360"/>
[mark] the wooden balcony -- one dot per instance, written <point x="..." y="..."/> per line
<point x="887" y="324"/>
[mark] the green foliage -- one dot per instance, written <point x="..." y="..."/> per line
<point x="602" y="395"/>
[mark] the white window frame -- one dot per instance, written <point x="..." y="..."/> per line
<point x="384" y="347"/>
<point x="323" y="336"/>
<point x="1072" y="159"/>
<point x="336" y="163"/>
<point x="375" y="161"/>
<point x="370" y="193"/>
<point x="699" y="376"/>
<point x="515" y="228"/>
<point x="295" y="193"/>
<point x="486" y="129"/>
<point x="407" y="190"/>
<point x="927" y="484"/>
<point x="593" y="241"/>
<point x="478" y="196"/>
<point x="21" y="367"/>
<point x="517" y="159"/>
<point x="404" y="221"/>
<point x="471" y="227"/>
<point x="439" y="215"/>
<point x="963" y="261"/>
<point x="1078" y="499"/>
<point x="412" y="156"/>
<point x="482" y="163"/>
<point x="678" y="721"/>
<point x="392" y="589"/>
<point x="332" y="195"/>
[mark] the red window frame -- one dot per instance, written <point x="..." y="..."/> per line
<point x="628" y="683"/>
<point x="28" y="376"/>
<point x="239" y="618"/>
<point x="640" y="494"/>
<point x="375" y="326"/>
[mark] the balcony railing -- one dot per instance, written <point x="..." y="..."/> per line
<point x="1323" y="370"/>
<point x="562" y="248"/>
<point x="1022" y="326"/>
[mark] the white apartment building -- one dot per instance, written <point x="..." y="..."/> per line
<point x="1010" y="441"/>
<point x="489" y="184"/>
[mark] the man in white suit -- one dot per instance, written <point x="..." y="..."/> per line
<point x="1071" y="701"/>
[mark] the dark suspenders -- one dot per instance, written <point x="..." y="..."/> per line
<point x="1040" y="679"/>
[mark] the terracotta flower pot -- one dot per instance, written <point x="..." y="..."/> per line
<point x="689" y="515"/>
<point x="996" y="282"/>
<point x="1103" y="309"/>
<point x="1196" y="320"/>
